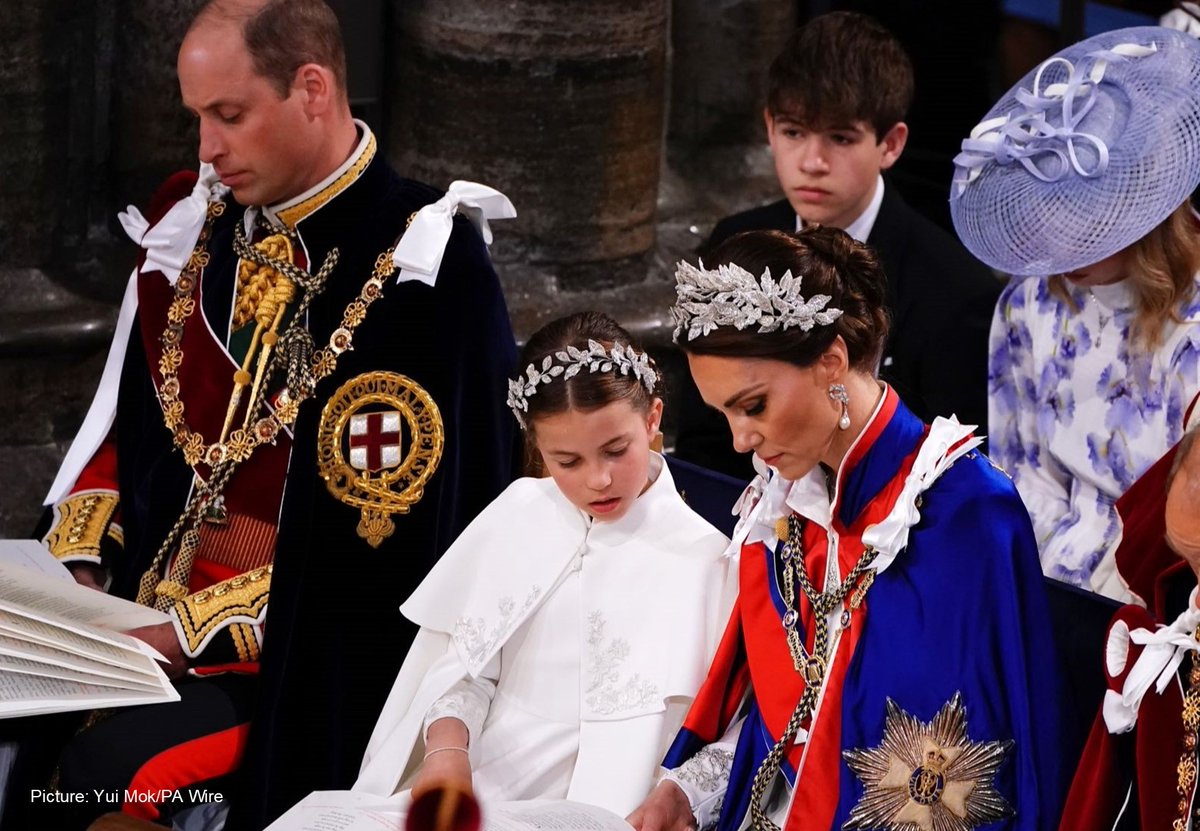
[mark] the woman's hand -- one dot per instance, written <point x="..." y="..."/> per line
<point x="665" y="809"/>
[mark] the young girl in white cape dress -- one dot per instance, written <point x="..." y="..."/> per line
<point x="565" y="632"/>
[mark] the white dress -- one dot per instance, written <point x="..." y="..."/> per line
<point x="570" y="647"/>
<point x="1076" y="414"/>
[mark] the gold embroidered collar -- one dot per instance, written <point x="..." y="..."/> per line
<point x="292" y="211"/>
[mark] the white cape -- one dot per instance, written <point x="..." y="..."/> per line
<point x="666" y="590"/>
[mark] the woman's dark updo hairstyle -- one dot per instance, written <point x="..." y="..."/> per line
<point x="831" y="262"/>
<point x="586" y="390"/>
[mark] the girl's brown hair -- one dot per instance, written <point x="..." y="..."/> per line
<point x="586" y="390"/>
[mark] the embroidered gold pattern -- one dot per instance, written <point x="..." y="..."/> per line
<point x="928" y="777"/>
<point x="290" y="216"/>
<point x="244" y="642"/>
<point x="245" y="595"/>
<point x="82" y="522"/>
<point x="380" y="493"/>
<point x="1185" y="785"/>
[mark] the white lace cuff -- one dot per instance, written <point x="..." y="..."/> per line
<point x="468" y="701"/>
<point x="703" y="780"/>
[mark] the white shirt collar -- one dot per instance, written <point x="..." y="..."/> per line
<point x="861" y="228"/>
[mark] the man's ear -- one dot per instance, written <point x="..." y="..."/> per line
<point x="893" y="142"/>
<point x="315" y="84"/>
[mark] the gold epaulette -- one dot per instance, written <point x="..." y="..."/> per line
<point x="81" y="521"/>
<point x="238" y="600"/>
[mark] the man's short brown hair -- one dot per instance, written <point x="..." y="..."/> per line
<point x="284" y="35"/>
<point x="840" y="68"/>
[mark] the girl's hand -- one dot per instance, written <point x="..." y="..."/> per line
<point x="665" y="809"/>
<point x="448" y="768"/>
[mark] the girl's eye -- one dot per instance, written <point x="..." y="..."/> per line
<point x="569" y="465"/>
<point x="756" y="408"/>
<point x="616" y="453"/>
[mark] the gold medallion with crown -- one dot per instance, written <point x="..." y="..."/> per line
<point x="380" y="439"/>
<point x="928" y="776"/>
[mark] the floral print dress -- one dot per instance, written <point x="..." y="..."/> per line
<point x="1078" y="411"/>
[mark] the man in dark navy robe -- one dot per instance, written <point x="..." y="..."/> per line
<point x="304" y="405"/>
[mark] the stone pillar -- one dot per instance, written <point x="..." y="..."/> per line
<point x="558" y="103"/>
<point x="720" y="54"/>
<point x="47" y="47"/>
<point x="56" y="294"/>
<point x="152" y="134"/>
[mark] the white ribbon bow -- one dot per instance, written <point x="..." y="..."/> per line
<point x="418" y="255"/>
<point x="1164" y="652"/>
<point x="941" y="448"/>
<point x="170" y="242"/>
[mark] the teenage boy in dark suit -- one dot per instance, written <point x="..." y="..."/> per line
<point x="836" y="100"/>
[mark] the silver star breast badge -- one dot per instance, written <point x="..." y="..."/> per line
<point x="928" y="777"/>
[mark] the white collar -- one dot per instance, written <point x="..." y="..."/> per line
<point x="809" y="497"/>
<point x="861" y="227"/>
<point x="946" y="441"/>
<point x="1116" y="296"/>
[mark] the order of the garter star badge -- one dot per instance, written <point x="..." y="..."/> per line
<point x="379" y="441"/>
<point x="928" y="777"/>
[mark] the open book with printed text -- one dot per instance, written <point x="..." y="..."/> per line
<point x="62" y="645"/>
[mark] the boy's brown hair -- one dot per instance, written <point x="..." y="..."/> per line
<point x="840" y="68"/>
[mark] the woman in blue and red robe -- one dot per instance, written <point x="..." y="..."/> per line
<point x="889" y="663"/>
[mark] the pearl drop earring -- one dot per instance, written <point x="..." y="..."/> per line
<point x="838" y="393"/>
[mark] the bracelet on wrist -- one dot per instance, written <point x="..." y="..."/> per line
<point x="429" y="753"/>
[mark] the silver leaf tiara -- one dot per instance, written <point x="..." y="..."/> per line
<point x="730" y="296"/>
<point x="569" y="362"/>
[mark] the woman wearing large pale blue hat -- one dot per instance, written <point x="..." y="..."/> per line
<point x="1077" y="183"/>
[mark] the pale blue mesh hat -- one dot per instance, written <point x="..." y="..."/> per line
<point x="1083" y="157"/>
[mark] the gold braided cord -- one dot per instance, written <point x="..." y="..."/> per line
<point x="1185" y="785"/>
<point x="294" y="353"/>
<point x="812" y="666"/>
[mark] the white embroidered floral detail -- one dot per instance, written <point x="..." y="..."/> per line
<point x="606" y="692"/>
<point x="708" y="770"/>
<point x="478" y="640"/>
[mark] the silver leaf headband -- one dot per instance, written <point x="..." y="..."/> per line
<point x="730" y="296"/>
<point x="569" y="362"/>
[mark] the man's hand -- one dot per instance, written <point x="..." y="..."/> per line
<point x="162" y="637"/>
<point x="88" y="574"/>
<point x="665" y="809"/>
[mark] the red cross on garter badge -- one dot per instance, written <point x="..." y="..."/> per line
<point x="380" y="439"/>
